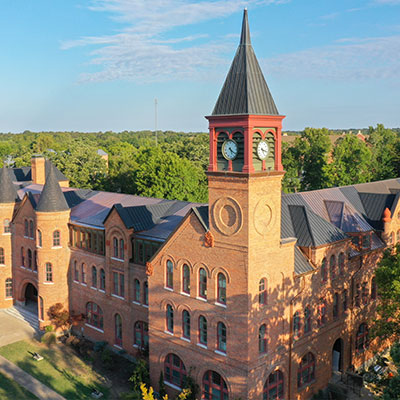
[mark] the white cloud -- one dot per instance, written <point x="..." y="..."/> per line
<point x="349" y="59"/>
<point x="146" y="49"/>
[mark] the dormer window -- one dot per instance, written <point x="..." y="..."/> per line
<point x="366" y="241"/>
<point x="355" y="240"/>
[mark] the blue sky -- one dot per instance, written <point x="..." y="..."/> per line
<point x="98" y="65"/>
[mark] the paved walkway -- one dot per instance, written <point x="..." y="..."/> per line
<point x="27" y="381"/>
<point x="13" y="329"/>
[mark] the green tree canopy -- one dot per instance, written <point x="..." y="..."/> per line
<point x="351" y="162"/>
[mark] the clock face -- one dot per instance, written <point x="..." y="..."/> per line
<point x="262" y="150"/>
<point x="229" y="149"/>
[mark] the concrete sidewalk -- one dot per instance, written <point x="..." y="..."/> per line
<point x="27" y="381"/>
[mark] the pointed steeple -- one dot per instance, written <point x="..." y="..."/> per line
<point x="52" y="198"/>
<point x="245" y="90"/>
<point x="8" y="193"/>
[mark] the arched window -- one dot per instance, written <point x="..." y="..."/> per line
<point x="357" y="295"/>
<point x="202" y="283"/>
<point x="146" y="293"/>
<point x="373" y="288"/>
<point x="332" y="266"/>
<point x="115" y="247"/>
<point x="202" y="330"/>
<point x="29" y="258"/>
<point x="364" y="293"/>
<point x="324" y="272"/>
<point x="94" y="315"/>
<point x="9" y="288"/>
<point x="141" y="338"/>
<point x="262" y="292"/>
<point x="39" y="238"/>
<point x="221" y="290"/>
<point x="186" y="324"/>
<point x="221" y="337"/>
<point x="2" y="256"/>
<point x="170" y="319"/>
<point x="35" y="263"/>
<point x="322" y="309"/>
<point x="306" y="371"/>
<point x="56" y="238"/>
<point x="118" y="330"/>
<point x="344" y="300"/>
<point x="136" y="291"/>
<point x="22" y="257"/>
<point x="335" y="308"/>
<point x="26" y="228"/>
<point x="262" y="339"/>
<point x="307" y="319"/>
<point x="49" y="272"/>
<point x="169" y="275"/>
<point x="296" y="325"/>
<point x="186" y="279"/>
<point x="273" y="388"/>
<point x="121" y="249"/>
<point x="7" y="226"/>
<point x="31" y="229"/>
<point x="341" y="263"/>
<point x="94" y="277"/>
<point x="174" y="370"/>
<point x="76" y="271"/>
<point x="83" y="273"/>
<point x="102" y="280"/>
<point x="362" y="338"/>
<point x="214" y="387"/>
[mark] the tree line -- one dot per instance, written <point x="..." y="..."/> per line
<point x="174" y="165"/>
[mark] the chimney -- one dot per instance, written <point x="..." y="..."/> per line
<point x="38" y="169"/>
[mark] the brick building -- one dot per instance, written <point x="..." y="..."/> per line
<point x="256" y="295"/>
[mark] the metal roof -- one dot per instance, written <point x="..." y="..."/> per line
<point x="301" y="264"/>
<point x="52" y="198"/>
<point x="245" y="90"/>
<point x="8" y="193"/>
<point x="24" y="174"/>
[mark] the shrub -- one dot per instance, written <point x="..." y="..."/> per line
<point x="107" y="358"/>
<point x="49" y="328"/>
<point x="100" y="346"/>
<point x="395" y="354"/>
<point x="48" y="338"/>
<point x="140" y="375"/>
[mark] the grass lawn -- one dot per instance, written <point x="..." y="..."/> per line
<point x="61" y="369"/>
<point x="10" y="390"/>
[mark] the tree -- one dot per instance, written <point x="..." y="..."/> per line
<point x="351" y="162"/>
<point x="384" y="144"/>
<point x="293" y="165"/>
<point x="387" y="325"/>
<point x="165" y="175"/>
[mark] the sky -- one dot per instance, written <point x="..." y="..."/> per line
<point x="99" y="65"/>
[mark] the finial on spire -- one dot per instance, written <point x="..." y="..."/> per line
<point x="245" y="36"/>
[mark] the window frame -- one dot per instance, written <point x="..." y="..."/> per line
<point x="221" y="288"/>
<point x="169" y="275"/>
<point x="185" y="279"/>
<point x="49" y="272"/>
<point x="262" y="339"/>
<point x="94" y="315"/>
<point x="274" y="385"/>
<point x="186" y="324"/>
<point x="221" y="337"/>
<point x="56" y="238"/>
<point x="202" y="283"/>
<point x="172" y="370"/>
<point x="202" y="330"/>
<point x="307" y="364"/>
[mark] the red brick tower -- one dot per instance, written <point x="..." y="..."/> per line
<point x="8" y="198"/>
<point x="52" y="217"/>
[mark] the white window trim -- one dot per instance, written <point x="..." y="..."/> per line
<point x="217" y="303"/>
<point x="48" y="283"/>
<point x="185" y="294"/>
<point x="185" y="339"/>
<point x="83" y="284"/>
<point x="56" y="247"/>
<point x="145" y="305"/>
<point x="95" y="328"/>
<point x="136" y="302"/>
<point x="117" y="346"/>
<point x="201" y="298"/>
<point x="169" y="333"/>
<point x="6" y="233"/>
<point x="102" y="291"/>
<point x="117" y="259"/>
<point x="168" y="288"/>
<point x="221" y="353"/>
<point x="117" y="296"/>
<point x="203" y="346"/>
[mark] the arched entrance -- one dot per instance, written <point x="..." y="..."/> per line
<point x="31" y="298"/>
<point x="337" y="356"/>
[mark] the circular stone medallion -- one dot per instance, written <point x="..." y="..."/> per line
<point x="227" y="216"/>
<point x="262" y="216"/>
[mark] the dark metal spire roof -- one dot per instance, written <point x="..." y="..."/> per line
<point x="52" y="198"/>
<point x="8" y="193"/>
<point x="245" y="90"/>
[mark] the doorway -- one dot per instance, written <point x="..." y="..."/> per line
<point x="31" y="298"/>
<point x="337" y="356"/>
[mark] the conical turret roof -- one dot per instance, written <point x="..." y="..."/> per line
<point x="8" y="193"/>
<point x="245" y="90"/>
<point x="52" y="198"/>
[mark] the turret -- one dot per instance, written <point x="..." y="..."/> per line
<point x="52" y="217"/>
